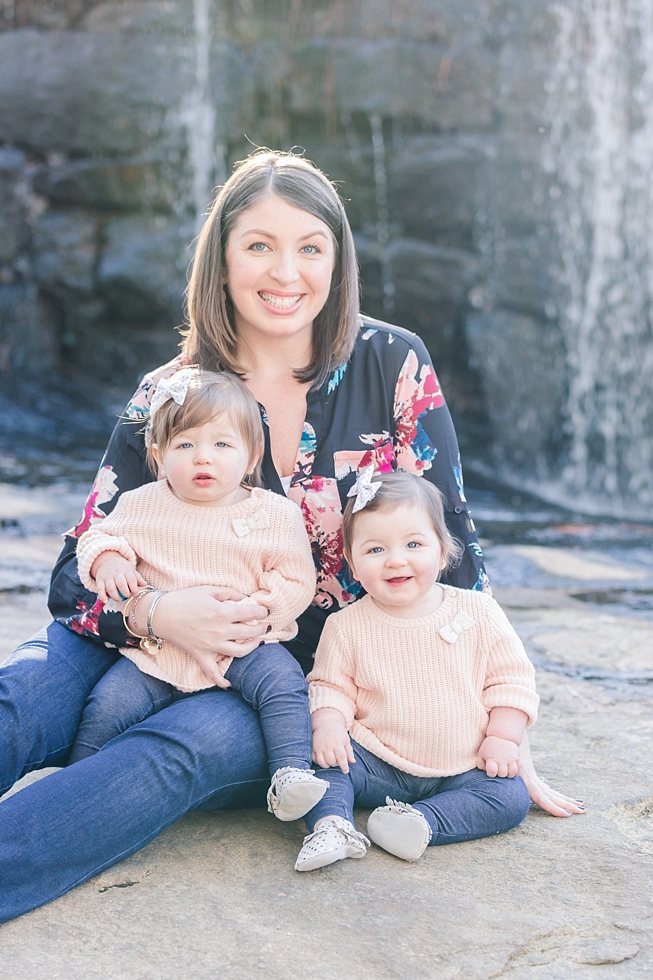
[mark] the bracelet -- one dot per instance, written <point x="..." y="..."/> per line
<point x="151" y="637"/>
<point x="130" y="606"/>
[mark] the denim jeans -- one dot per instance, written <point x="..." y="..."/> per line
<point x="203" y="752"/>
<point x="457" y="808"/>
<point x="269" y="679"/>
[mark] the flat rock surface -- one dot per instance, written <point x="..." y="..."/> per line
<point x="216" y="894"/>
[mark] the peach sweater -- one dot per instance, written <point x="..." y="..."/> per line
<point x="417" y="692"/>
<point x="175" y="545"/>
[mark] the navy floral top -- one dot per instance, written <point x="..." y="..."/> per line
<point x="383" y="406"/>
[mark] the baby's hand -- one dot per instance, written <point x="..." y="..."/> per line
<point x="115" y="577"/>
<point x="499" y="757"/>
<point x="331" y="744"/>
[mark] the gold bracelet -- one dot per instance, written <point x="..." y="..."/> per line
<point x="129" y="607"/>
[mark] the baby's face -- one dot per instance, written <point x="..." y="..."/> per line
<point x="206" y="465"/>
<point x="397" y="556"/>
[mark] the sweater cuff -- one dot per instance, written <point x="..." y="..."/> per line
<point x="508" y="696"/>
<point x="320" y="696"/>
<point x="92" y="551"/>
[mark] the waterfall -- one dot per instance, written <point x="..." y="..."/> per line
<point x="382" y="213"/>
<point x="598" y="159"/>
<point x="198" y="116"/>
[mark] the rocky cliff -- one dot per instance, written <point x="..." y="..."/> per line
<point x="495" y="156"/>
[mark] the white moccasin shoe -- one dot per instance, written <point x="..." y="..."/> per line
<point x="399" y="829"/>
<point x="293" y="792"/>
<point x="334" y="839"/>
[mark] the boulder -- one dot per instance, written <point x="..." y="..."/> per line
<point x="522" y="364"/>
<point x="27" y="330"/>
<point x="142" y="270"/>
<point x="64" y="250"/>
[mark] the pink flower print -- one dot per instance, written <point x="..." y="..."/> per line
<point x="87" y="622"/>
<point x="413" y="398"/>
<point x="104" y="489"/>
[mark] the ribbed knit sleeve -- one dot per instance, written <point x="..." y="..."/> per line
<point x="331" y="682"/>
<point x="288" y="588"/>
<point x="105" y="537"/>
<point x="510" y="677"/>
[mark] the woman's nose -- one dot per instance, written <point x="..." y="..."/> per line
<point x="284" y="270"/>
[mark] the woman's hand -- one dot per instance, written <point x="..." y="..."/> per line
<point x="207" y="623"/>
<point x="331" y="744"/>
<point x="542" y="795"/>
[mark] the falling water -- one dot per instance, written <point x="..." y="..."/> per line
<point x="382" y="213"/>
<point x="199" y="116"/>
<point x="599" y="161"/>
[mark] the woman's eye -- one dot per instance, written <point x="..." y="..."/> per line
<point x="258" y="247"/>
<point x="310" y="249"/>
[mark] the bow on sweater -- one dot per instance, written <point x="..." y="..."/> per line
<point x="452" y="630"/>
<point x="243" y="525"/>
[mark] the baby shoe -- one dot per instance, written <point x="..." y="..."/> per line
<point x="293" y="792"/>
<point x="334" y="839"/>
<point x="399" y="829"/>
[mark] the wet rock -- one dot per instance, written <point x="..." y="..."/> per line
<point x="109" y="185"/>
<point x="65" y="246"/>
<point x="27" y="330"/>
<point x="523" y="406"/>
<point x="142" y="272"/>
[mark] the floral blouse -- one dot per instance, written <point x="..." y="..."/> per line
<point x="383" y="406"/>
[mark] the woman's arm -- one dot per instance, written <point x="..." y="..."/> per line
<point x="425" y="443"/>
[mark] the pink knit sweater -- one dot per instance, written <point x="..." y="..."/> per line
<point x="417" y="692"/>
<point x="175" y="545"/>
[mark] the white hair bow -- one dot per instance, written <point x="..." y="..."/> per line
<point x="175" y="387"/>
<point x="364" y="489"/>
<point x="458" y="625"/>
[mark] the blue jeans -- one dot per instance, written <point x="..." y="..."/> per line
<point x="457" y="808"/>
<point x="268" y="679"/>
<point x="203" y="752"/>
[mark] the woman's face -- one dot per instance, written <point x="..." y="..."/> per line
<point x="279" y="265"/>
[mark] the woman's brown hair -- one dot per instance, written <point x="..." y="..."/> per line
<point x="211" y="339"/>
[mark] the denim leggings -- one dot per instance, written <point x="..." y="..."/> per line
<point x="457" y="808"/>
<point x="268" y="679"/>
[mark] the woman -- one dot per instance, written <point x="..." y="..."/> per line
<point x="273" y="297"/>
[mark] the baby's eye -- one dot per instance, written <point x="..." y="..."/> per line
<point x="184" y="445"/>
<point x="310" y="249"/>
<point x="258" y="247"/>
<point x="221" y="445"/>
<point x="376" y="550"/>
<point x="413" y="544"/>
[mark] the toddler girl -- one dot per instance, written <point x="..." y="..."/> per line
<point x="205" y="523"/>
<point x="420" y="692"/>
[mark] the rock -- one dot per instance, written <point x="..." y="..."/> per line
<point x="27" y="330"/>
<point x="110" y="185"/>
<point x="142" y="271"/>
<point x="452" y="90"/>
<point x="65" y="247"/>
<point x="522" y="403"/>
<point x="13" y="226"/>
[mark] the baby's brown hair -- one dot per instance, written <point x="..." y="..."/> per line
<point x="210" y="394"/>
<point x="399" y="489"/>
